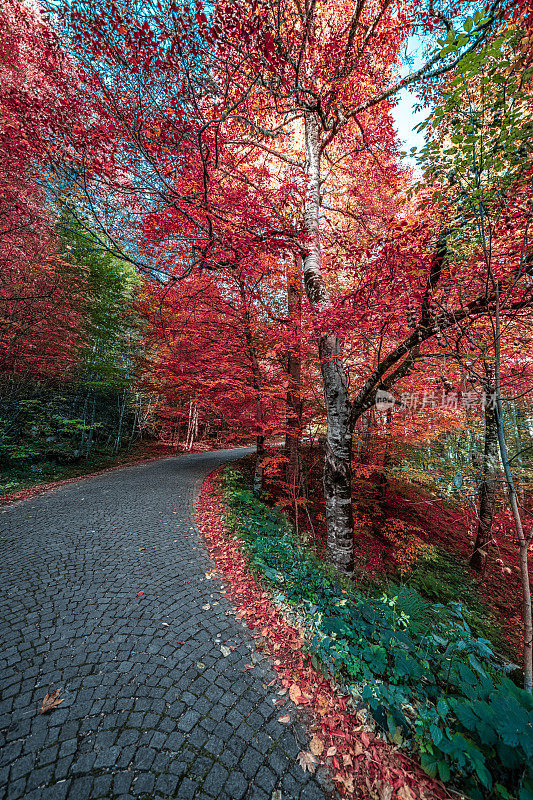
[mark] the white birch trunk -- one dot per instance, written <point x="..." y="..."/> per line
<point x="338" y="455"/>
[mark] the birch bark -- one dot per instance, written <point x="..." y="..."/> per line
<point x="293" y="434"/>
<point x="338" y="446"/>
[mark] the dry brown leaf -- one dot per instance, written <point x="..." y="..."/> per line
<point x="307" y="761"/>
<point x="404" y="793"/>
<point x="50" y="702"/>
<point x="316" y="746"/>
<point x="358" y="748"/>
<point x="285" y="718"/>
<point x="331" y="751"/>
<point x="295" y="693"/>
<point x="385" y="791"/>
<point x="346" y="780"/>
<point x="347" y="760"/>
<point x="322" y="705"/>
<point x="349" y="784"/>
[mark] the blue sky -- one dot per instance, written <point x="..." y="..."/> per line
<point x="405" y="118"/>
<point x="404" y="115"/>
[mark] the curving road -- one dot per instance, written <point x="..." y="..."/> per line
<point x="151" y="707"/>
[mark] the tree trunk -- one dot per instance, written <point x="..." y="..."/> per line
<point x="192" y="426"/>
<point x="258" y="473"/>
<point x="518" y="455"/>
<point x="487" y="489"/>
<point x="91" y="429"/>
<point x="338" y="446"/>
<point x="293" y="433"/>
<point x="523" y="539"/>
<point x="121" y="417"/>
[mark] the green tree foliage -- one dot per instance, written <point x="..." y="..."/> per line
<point x="112" y="342"/>
<point x="47" y="426"/>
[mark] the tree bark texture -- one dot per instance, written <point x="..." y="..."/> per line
<point x="293" y="434"/>
<point x="338" y="446"/>
<point x="487" y="489"/>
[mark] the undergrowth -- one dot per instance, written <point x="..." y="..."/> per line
<point x="22" y="477"/>
<point x="430" y="681"/>
<point x="439" y="577"/>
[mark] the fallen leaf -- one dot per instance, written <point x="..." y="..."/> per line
<point x="284" y="719"/>
<point x="331" y="751"/>
<point x="166" y="624"/>
<point x="225" y="650"/>
<point x="307" y="761"/>
<point x="200" y="665"/>
<point x="50" y="702"/>
<point x="322" y="705"/>
<point x="349" y="783"/>
<point x="316" y="746"/>
<point x="276" y="795"/>
<point x="358" y="748"/>
<point x="206" y="607"/>
<point x="385" y="791"/>
<point x="295" y="693"/>
<point x="404" y="793"/>
<point x="139" y="594"/>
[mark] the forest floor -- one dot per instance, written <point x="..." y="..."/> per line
<point x="407" y="534"/>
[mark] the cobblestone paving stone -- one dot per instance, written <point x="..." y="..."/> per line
<point x="151" y="707"/>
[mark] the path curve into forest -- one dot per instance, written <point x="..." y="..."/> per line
<point x="104" y="596"/>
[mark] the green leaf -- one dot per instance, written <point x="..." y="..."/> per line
<point x="444" y="771"/>
<point x="436" y="734"/>
<point x="376" y="657"/>
<point x="448" y="49"/>
<point x="429" y="764"/>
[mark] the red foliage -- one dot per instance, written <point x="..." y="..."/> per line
<point x="39" y="292"/>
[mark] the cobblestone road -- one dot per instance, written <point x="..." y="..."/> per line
<point x="151" y="707"/>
